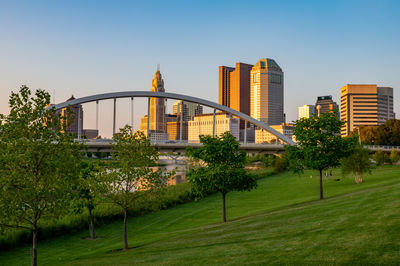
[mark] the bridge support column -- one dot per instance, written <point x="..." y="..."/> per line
<point x="79" y="122"/>
<point x="245" y="132"/>
<point x="148" y="117"/>
<point x="97" y="115"/>
<point x="181" y="122"/>
<point x="214" y="123"/>
<point x="132" y="113"/>
<point x="114" y="115"/>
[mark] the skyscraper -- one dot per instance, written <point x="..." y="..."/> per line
<point x="234" y="87"/>
<point x="266" y="92"/>
<point x="157" y="105"/>
<point x="325" y="104"/>
<point x="363" y="104"/>
<point x="189" y="109"/>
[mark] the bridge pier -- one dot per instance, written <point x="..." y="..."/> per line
<point x="132" y="113"/>
<point x="245" y="132"/>
<point x="181" y="123"/>
<point x="79" y="122"/>
<point x="148" y="117"/>
<point x="115" y="115"/>
<point x="214" y="123"/>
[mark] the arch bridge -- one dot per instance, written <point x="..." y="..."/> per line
<point x="184" y="98"/>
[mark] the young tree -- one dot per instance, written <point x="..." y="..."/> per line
<point x="223" y="170"/>
<point x="394" y="156"/>
<point x="122" y="183"/>
<point x="38" y="163"/>
<point x="86" y="194"/>
<point x="319" y="145"/>
<point x="357" y="163"/>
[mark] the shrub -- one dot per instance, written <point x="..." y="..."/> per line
<point x="379" y="157"/>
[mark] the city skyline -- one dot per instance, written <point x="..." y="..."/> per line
<point x="106" y="48"/>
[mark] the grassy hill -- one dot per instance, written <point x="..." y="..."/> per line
<point x="280" y="222"/>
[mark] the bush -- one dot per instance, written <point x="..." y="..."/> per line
<point x="280" y="164"/>
<point x="394" y="156"/>
<point x="379" y="157"/>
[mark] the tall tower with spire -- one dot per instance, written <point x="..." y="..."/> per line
<point x="157" y="105"/>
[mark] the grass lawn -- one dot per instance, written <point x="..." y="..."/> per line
<point x="281" y="222"/>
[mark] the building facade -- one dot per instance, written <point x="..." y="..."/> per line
<point x="174" y="130"/>
<point x="189" y="109"/>
<point x="365" y="104"/>
<point x="203" y="125"/>
<point x="325" y="104"/>
<point x="234" y="87"/>
<point x="76" y="122"/>
<point x="266" y="92"/>
<point x="263" y="136"/>
<point x="306" y="111"/>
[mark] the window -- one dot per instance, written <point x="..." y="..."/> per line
<point x="275" y="78"/>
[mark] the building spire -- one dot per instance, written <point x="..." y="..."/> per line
<point x="158" y="67"/>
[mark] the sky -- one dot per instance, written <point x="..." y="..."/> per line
<point x="90" y="47"/>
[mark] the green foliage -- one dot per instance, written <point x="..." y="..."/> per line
<point x="38" y="163"/>
<point x="280" y="164"/>
<point x="358" y="163"/>
<point x="120" y="183"/>
<point x="379" y="157"/>
<point x="224" y="167"/>
<point x="319" y="144"/>
<point x="394" y="156"/>
<point x="385" y="134"/>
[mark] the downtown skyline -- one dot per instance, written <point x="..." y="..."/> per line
<point x="98" y="47"/>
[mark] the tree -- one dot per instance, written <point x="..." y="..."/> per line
<point x="86" y="195"/>
<point x="319" y="145"/>
<point x="379" y="157"/>
<point x="38" y="163"/>
<point x="224" y="168"/>
<point x="394" y="156"/>
<point x="122" y="183"/>
<point x="358" y="163"/>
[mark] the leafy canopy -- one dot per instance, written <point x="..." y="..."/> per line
<point x="224" y="166"/>
<point x="319" y="144"/>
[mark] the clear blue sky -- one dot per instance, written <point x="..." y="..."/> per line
<point x="89" y="47"/>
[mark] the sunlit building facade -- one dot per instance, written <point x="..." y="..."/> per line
<point x="203" y="125"/>
<point x="266" y="92"/>
<point x="365" y="104"/>
<point x="306" y="111"/>
<point x="263" y="136"/>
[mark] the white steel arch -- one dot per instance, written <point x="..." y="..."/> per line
<point x="167" y="95"/>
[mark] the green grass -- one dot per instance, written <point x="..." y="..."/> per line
<point x="281" y="222"/>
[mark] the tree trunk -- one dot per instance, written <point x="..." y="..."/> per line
<point x="125" y="232"/>
<point x="321" y="192"/>
<point x="223" y="207"/>
<point x="34" y="245"/>
<point x="91" y="225"/>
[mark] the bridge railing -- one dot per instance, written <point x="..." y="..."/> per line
<point x="381" y="147"/>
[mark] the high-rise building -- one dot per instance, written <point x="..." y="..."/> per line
<point x="203" y="125"/>
<point x="189" y="109"/>
<point x="234" y="87"/>
<point x="363" y="104"/>
<point x="306" y="111"/>
<point x="325" y="104"/>
<point x="157" y="105"/>
<point x="77" y="121"/>
<point x="266" y="92"/>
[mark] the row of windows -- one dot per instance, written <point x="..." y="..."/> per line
<point x="365" y="113"/>
<point x="364" y="102"/>
<point x="355" y="110"/>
